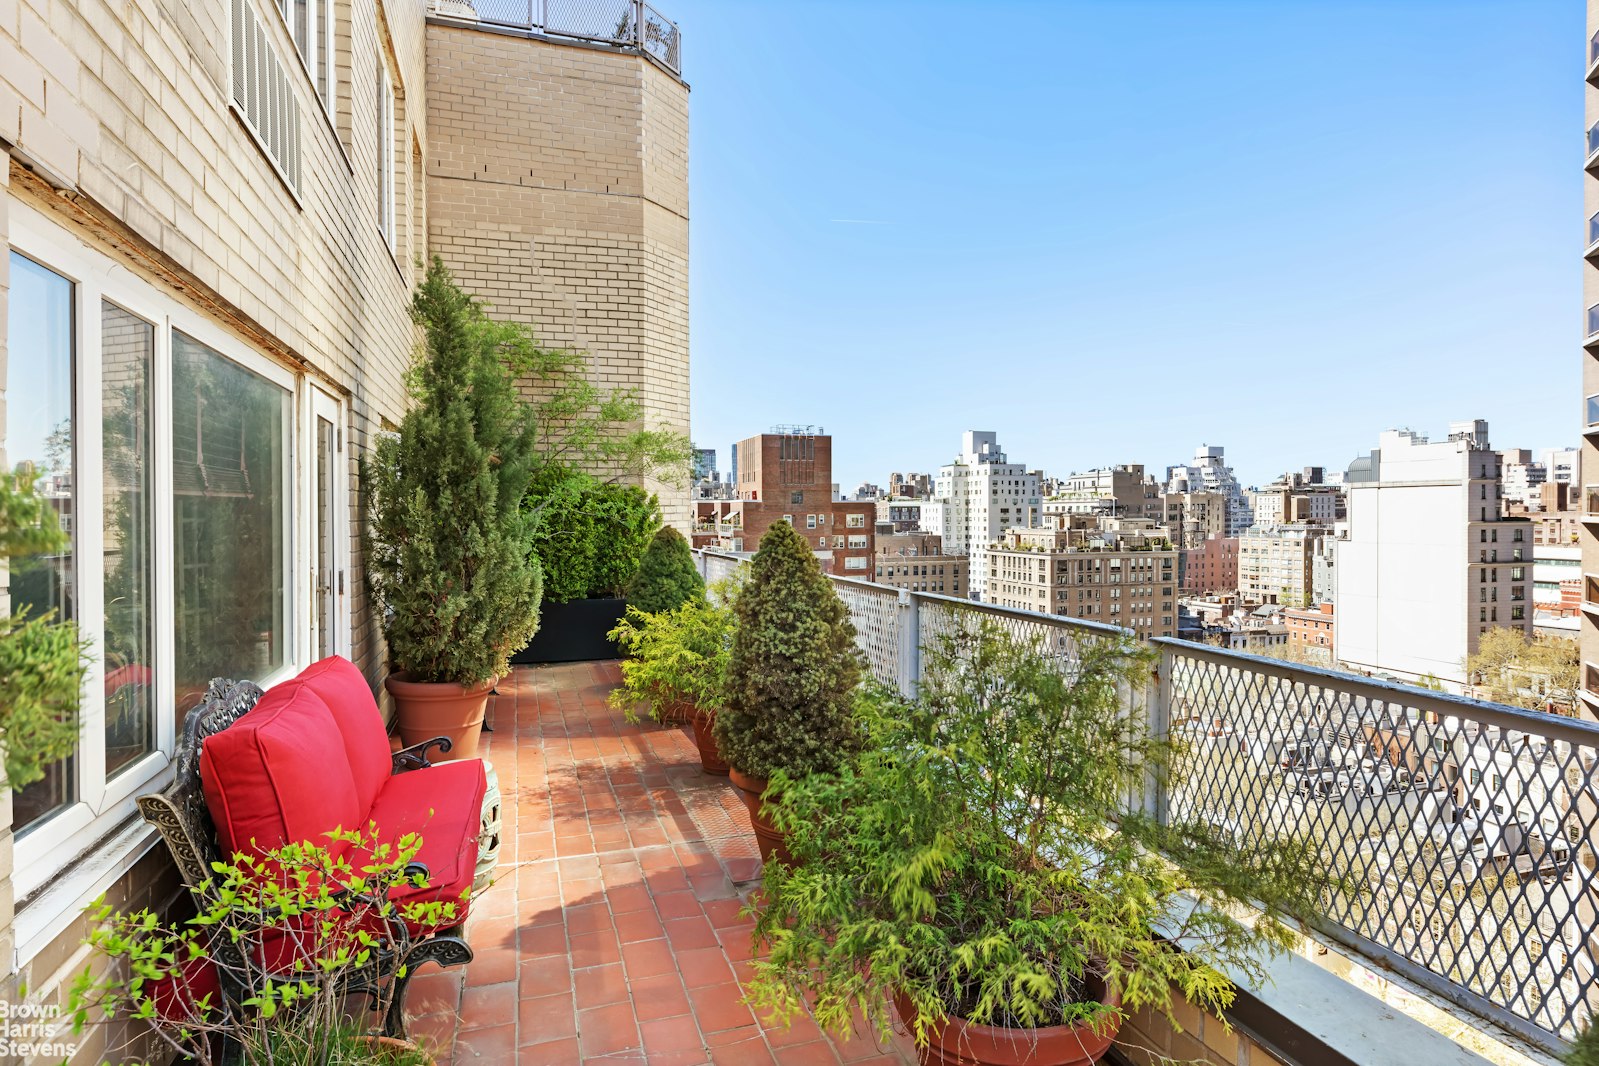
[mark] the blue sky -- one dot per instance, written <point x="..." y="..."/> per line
<point x="1113" y="230"/>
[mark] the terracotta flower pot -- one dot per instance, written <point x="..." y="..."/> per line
<point x="960" y="1043"/>
<point x="772" y="843"/>
<point x="428" y="709"/>
<point x="711" y="760"/>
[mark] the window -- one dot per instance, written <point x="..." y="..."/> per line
<point x="166" y="448"/>
<point x="796" y="498"/>
<point x="810" y="521"/>
<point x="385" y="143"/>
<point x="127" y="366"/>
<point x="263" y="95"/>
<point x="310" y="23"/>
<point x="856" y="563"/>
<point x="229" y="516"/>
<point x="41" y="434"/>
<point x="855" y="521"/>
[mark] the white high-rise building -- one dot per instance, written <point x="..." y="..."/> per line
<point x="982" y="495"/>
<point x="1560" y="464"/>
<point x="1430" y="563"/>
<point x="1209" y="472"/>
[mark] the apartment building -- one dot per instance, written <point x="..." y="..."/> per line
<point x="910" y="485"/>
<point x="982" y="494"/>
<point x="787" y="476"/>
<point x="1210" y="567"/>
<point x="213" y="217"/>
<point x="918" y="562"/>
<point x="904" y="515"/>
<point x="1432" y="561"/>
<point x="1304" y="496"/>
<point x="1195" y="517"/>
<point x="1310" y="632"/>
<point x="1275" y="565"/>
<point x="1209" y="472"/>
<point x="1522" y="476"/>
<point x="1125" y="491"/>
<point x="1121" y="572"/>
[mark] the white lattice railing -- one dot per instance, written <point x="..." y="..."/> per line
<point x="1467" y="829"/>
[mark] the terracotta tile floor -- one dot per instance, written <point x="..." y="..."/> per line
<point x="613" y="932"/>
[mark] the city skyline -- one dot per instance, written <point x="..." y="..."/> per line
<point x="1127" y="258"/>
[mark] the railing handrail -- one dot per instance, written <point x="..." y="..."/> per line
<point x="632" y="33"/>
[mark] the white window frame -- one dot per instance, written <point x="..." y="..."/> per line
<point x="385" y="131"/>
<point x="320" y="39"/>
<point x="47" y="864"/>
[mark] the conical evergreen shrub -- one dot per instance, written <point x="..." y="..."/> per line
<point x="794" y="666"/>
<point x="448" y="548"/>
<point x="667" y="577"/>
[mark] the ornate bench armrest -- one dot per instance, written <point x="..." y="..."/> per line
<point x="416" y="756"/>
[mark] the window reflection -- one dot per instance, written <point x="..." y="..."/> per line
<point x="127" y="356"/>
<point x="230" y="513"/>
<point x="39" y="439"/>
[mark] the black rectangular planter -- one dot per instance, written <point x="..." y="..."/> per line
<point x="574" y="632"/>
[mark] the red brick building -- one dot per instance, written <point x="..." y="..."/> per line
<point x="1211" y="567"/>
<point x="787" y="476"/>
<point x="1310" y="630"/>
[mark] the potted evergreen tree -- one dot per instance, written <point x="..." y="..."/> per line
<point x="978" y="870"/>
<point x="791" y="677"/>
<point x="667" y="577"/>
<point x="449" y="556"/>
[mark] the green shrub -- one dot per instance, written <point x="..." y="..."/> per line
<point x="676" y="656"/>
<point x="794" y="666"/>
<point x="321" y="921"/>
<point x="979" y="858"/>
<point x="667" y="576"/>
<point x="41" y="659"/>
<point x="448" y="548"/>
<point x="589" y="535"/>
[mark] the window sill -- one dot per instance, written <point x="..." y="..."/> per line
<point x="48" y="913"/>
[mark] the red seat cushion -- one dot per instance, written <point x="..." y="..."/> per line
<point x="279" y="775"/>
<point x="366" y="743"/>
<point x="443" y="805"/>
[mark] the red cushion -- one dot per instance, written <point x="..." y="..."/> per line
<point x="443" y="805"/>
<point x="360" y="723"/>
<point x="279" y="775"/>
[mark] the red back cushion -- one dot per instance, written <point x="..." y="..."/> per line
<point x="279" y="775"/>
<point x="366" y="742"/>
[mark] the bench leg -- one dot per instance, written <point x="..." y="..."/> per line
<point x="447" y="949"/>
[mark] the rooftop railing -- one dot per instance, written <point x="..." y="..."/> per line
<point x="633" y="24"/>
<point x="1465" y="832"/>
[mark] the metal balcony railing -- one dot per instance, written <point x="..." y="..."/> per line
<point x="632" y="24"/>
<point x="1593" y="138"/>
<point x="1466" y="830"/>
<point x="1593" y="320"/>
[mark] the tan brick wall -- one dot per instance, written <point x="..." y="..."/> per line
<point x="1190" y="1035"/>
<point x="559" y="195"/>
